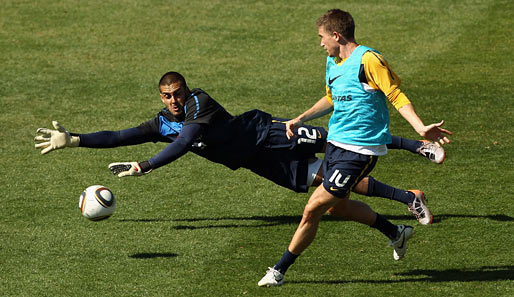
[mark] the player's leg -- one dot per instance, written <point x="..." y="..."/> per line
<point x="314" y="172"/>
<point x="342" y="177"/>
<point x="353" y="210"/>
<point x="342" y="170"/>
<point x="414" y="199"/>
<point x="339" y="176"/>
<point x="341" y="209"/>
<point x="360" y="212"/>
<point x="368" y="186"/>
<point x="318" y="204"/>
<point x="430" y="150"/>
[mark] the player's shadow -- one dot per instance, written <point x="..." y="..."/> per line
<point x="153" y="255"/>
<point x="268" y="221"/>
<point x="442" y="217"/>
<point x="485" y="273"/>
<point x="198" y="223"/>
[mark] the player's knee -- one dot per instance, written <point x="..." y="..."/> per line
<point x="336" y="212"/>
<point x="312" y="211"/>
<point x="339" y="211"/>
<point x="361" y="187"/>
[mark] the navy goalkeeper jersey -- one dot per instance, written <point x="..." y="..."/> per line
<point x="226" y="139"/>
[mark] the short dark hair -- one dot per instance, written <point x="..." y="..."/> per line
<point x="340" y="21"/>
<point x="172" y="77"/>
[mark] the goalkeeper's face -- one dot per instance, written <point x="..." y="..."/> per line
<point x="174" y="96"/>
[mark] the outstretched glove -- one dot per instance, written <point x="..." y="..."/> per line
<point x="59" y="138"/>
<point x="129" y="169"/>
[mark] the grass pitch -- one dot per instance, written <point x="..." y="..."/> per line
<point x="195" y="228"/>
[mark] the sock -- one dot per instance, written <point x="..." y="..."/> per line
<point x="378" y="189"/>
<point x="387" y="228"/>
<point x="405" y="144"/>
<point x="287" y="260"/>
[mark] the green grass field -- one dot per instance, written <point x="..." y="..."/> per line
<point x="196" y="228"/>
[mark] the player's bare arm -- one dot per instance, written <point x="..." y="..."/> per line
<point x="432" y="132"/>
<point x="319" y="109"/>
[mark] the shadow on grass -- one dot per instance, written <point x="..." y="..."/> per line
<point x="153" y="255"/>
<point x="498" y="217"/>
<point x="486" y="273"/>
<point x="286" y="220"/>
<point x="442" y="217"/>
<point x="268" y="221"/>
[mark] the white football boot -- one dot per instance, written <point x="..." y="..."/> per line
<point x="419" y="208"/>
<point x="432" y="151"/>
<point x="273" y="277"/>
<point x="400" y="244"/>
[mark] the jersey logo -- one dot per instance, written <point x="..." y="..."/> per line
<point x="331" y="80"/>
<point x="342" y="98"/>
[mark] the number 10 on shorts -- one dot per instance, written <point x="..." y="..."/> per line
<point x="336" y="178"/>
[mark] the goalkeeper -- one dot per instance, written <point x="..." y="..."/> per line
<point x="192" y="121"/>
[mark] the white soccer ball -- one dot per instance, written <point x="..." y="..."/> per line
<point x="97" y="203"/>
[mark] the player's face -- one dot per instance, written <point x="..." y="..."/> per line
<point x="329" y="42"/>
<point x="174" y="96"/>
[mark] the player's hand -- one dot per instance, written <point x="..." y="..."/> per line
<point x="49" y="140"/>
<point x="290" y="126"/>
<point x="126" y="169"/>
<point x="435" y="133"/>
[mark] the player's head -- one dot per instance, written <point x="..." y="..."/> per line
<point x="335" y="27"/>
<point x="174" y="92"/>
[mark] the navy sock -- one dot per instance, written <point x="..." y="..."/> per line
<point x="287" y="260"/>
<point x="378" y="189"/>
<point x="387" y="228"/>
<point x="405" y="144"/>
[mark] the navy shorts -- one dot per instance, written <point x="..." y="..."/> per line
<point x="285" y="161"/>
<point x="308" y="140"/>
<point x="343" y="170"/>
<point x="283" y="167"/>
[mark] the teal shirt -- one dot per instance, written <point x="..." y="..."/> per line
<point x="360" y="117"/>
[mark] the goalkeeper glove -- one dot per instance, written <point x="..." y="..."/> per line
<point x="123" y="169"/>
<point x="59" y="138"/>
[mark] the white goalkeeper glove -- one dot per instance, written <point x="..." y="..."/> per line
<point x="59" y="138"/>
<point x="128" y="169"/>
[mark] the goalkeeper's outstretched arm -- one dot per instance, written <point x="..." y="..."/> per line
<point x="49" y="140"/>
<point x="173" y="151"/>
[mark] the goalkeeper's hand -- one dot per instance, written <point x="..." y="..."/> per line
<point x="122" y="169"/>
<point x="50" y="140"/>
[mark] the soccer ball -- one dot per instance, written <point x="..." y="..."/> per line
<point x="97" y="203"/>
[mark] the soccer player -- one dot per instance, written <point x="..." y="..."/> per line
<point x="192" y="121"/>
<point x="358" y="83"/>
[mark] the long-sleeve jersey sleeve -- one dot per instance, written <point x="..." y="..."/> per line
<point x="179" y="147"/>
<point x="110" y="139"/>
<point x="379" y="76"/>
